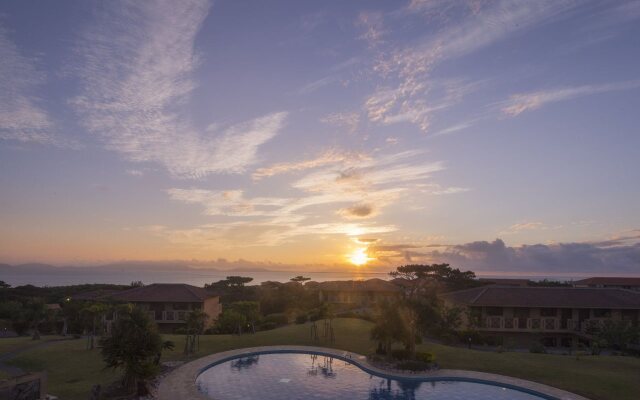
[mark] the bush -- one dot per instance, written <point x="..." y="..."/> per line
<point x="494" y="340"/>
<point x="475" y="336"/>
<point x="350" y="314"/>
<point x="267" y="326"/>
<point x="301" y="319"/>
<point x="400" y="354"/>
<point x="537" y="348"/>
<point x="424" y="357"/>
<point x="230" y="322"/>
<point x="277" y="319"/>
<point x="180" y="331"/>
<point x="412" y="365"/>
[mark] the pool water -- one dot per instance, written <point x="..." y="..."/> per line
<point x="289" y="376"/>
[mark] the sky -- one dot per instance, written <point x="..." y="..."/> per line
<point x="499" y="136"/>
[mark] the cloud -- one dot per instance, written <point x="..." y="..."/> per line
<point x="317" y="84"/>
<point x="326" y="158"/>
<point x="450" y="190"/>
<point x="349" y="120"/>
<point x="351" y="187"/>
<point x="138" y="61"/>
<point x="22" y="116"/>
<point x="526" y="226"/>
<point x="520" y="103"/>
<point x="412" y="96"/>
<point x="372" y="23"/>
<point x="358" y="211"/>
<point x="558" y="259"/>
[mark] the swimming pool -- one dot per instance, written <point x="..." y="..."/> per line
<point x="299" y="375"/>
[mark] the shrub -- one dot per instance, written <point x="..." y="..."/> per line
<point x="537" y="348"/>
<point x="400" y="354"/>
<point x="301" y="319"/>
<point x="180" y="331"/>
<point x="267" y="326"/>
<point x="277" y="319"/>
<point x="424" y="357"/>
<point x="412" y="365"/>
<point x="494" y="340"/>
<point x="230" y="322"/>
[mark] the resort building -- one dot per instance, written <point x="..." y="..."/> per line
<point x="609" y="282"/>
<point x="556" y="316"/>
<point x="358" y="293"/>
<point x="505" y="281"/>
<point x="168" y="304"/>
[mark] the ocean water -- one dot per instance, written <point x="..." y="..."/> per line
<point x="196" y="277"/>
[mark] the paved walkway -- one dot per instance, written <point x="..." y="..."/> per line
<point x="180" y="383"/>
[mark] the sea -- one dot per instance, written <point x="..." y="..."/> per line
<point x="192" y="276"/>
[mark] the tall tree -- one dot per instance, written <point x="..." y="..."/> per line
<point x="300" y="279"/>
<point x="92" y="316"/>
<point x="36" y="312"/>
<point x="196" y="323"/>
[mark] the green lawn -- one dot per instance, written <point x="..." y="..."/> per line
<point x="73" y="370"/>
<point x="17" y="343"/>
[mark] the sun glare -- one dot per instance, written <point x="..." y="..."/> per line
<point x="359" y="257"/>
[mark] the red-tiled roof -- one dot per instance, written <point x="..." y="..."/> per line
<point x="164" y="292"/>
<point x="501" y="296"/>
<point x="609" y="280"/>
<point x="371" y="285"/>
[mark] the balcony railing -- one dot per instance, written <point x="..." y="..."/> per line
<point x="168" y="316"/>
<point x="546" y="324"/>
<point x="506" y="323"/>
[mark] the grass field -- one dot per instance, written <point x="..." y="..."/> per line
<point x="17" y="343"/>
<point x="73" y="370"/>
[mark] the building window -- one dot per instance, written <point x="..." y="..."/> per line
<point x="548" y="312"/>
<point x="601" y="313"/>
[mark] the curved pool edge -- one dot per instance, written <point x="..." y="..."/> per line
<point x="181" y="382"/>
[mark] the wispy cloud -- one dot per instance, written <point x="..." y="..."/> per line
<point x="138" y="60"/>
<point x="528" y="226"/>
<point x="349" y="120"/>
<point x="22" y="116"/>
<point x="372" y="23"/>
<point x="520" y="103"/>
<point x="326" y="158"/>
<point x="335" y="185"/>
<point x="413" y="97"/>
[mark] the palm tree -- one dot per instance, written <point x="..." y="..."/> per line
<point x="135" y="347"/>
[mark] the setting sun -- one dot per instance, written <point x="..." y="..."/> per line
<point x="359" y="257"/>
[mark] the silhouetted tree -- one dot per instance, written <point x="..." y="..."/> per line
<point x="300" y="279"/>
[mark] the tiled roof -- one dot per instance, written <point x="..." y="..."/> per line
<point x="609" y="280"/>
<point x="371" y="285"/>
<point x="164" y="292"/>
<point x="502" y="296"/>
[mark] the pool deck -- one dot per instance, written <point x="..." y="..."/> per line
<point x="181" y="383"/>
